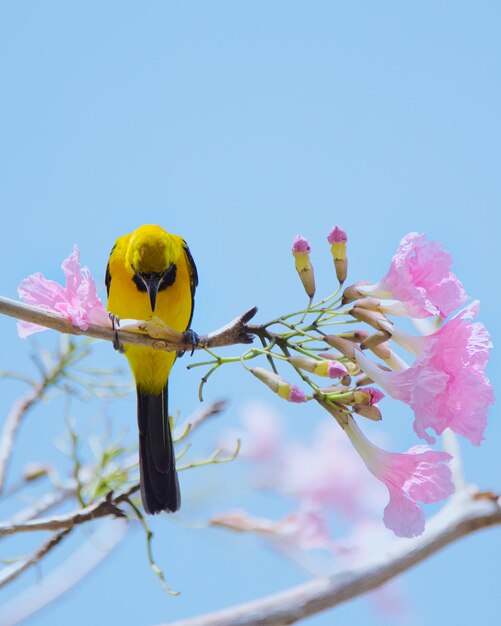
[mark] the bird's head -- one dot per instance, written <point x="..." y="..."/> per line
<point x="151" y="256"/>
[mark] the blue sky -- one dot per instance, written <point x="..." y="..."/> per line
<point x="240" y="125"/>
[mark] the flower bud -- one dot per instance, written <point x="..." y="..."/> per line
<point x="367" y="396"/>
<point x="301" y="252"/>
<point x="377" y="339"/>
<point x="346" y="380"/>
<point x="368" y="411"/>
<point x="346" y="347"/>
<point x="329" y="368"/>
<point x="338" y="238"/>
<point x="352" y="292"/>
<point x="373" y="318"/>
<point x="281" y="387"/>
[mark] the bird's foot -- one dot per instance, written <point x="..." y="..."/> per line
<point x="191" y="337"/>
<point x="115" y="324"/>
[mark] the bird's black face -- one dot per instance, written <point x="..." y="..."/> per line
<point x="153" y="282"/>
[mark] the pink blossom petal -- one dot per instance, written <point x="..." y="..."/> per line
<point x="419" y="475"/>
<point x="420" y="276"/>
<point x="446" y="386"/>
<point x="403" y="516"/>
<point x="77" y="301"/>
<point x="39" y="291"/>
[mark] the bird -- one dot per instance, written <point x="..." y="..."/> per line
<point x="151" y="272"/>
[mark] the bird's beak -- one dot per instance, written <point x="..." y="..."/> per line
<point x="152" y="285"/>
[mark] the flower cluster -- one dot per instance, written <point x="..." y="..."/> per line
<point x="442" y="379"/>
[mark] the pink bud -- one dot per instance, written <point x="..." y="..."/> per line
<point x="301" y="252"/>
<point x="300" y="245"/>
<point x="337" y="238"/>
<point x="337" y="235"/>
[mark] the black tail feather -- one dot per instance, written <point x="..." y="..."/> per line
<point x="157" y="462"/>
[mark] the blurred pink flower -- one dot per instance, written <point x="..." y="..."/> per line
<point x="305" y="529"/>
<point x="446" y="386"/>
<point x="420" y="276"/>
<point x="419" y="475"/>
<point x="78" y="301"/>
<point x="327" y="473"/>
<point x="261" y="435"/>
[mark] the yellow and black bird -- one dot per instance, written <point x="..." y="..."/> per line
<point x="151" y="272"/>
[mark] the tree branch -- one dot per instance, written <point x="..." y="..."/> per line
<point x="467" y="512"/>
<point x="10" y="573"/>
<point x="100" y="508"/>
<point x="233" y="333"/>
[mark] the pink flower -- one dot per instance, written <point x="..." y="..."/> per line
<point x="305" y="529"/>
<point x="446" y="386"/>
<point x="261" y="435"/>
<point x="78" y="301"/>
<point x="419" y="475"/>
<point x="420" y="276"/>
<point x="325" y="472"/>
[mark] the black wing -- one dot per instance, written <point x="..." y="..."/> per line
<point x="192" y="269"/>
<point x="107" y="276"/>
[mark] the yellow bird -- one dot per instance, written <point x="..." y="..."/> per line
<point x="151" y="272"/>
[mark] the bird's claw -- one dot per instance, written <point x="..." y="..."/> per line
<point x="115" y="324"/>
<point x="191" y="337"/>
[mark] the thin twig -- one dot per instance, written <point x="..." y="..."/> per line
<point x="22" y="406"/>
<point x="11" y="572"/>
<point x="467" y="512"/>
<point x="200" y="416"/>
<point x="45" y="503"/>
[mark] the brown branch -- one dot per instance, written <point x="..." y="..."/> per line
<point x="200" y="416"/>
<point x="108" y="505"/>
<point x="10" y="573"/>
<point x="467" y="512"/>
<point x="233" y="333"/>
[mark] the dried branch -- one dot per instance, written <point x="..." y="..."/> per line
<point x="467" y="512"/>
<point x="98" y="509"/>
<point x="10" y="573"/>
<point x="200" y="416"/>
<point x="233" y="333"/>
